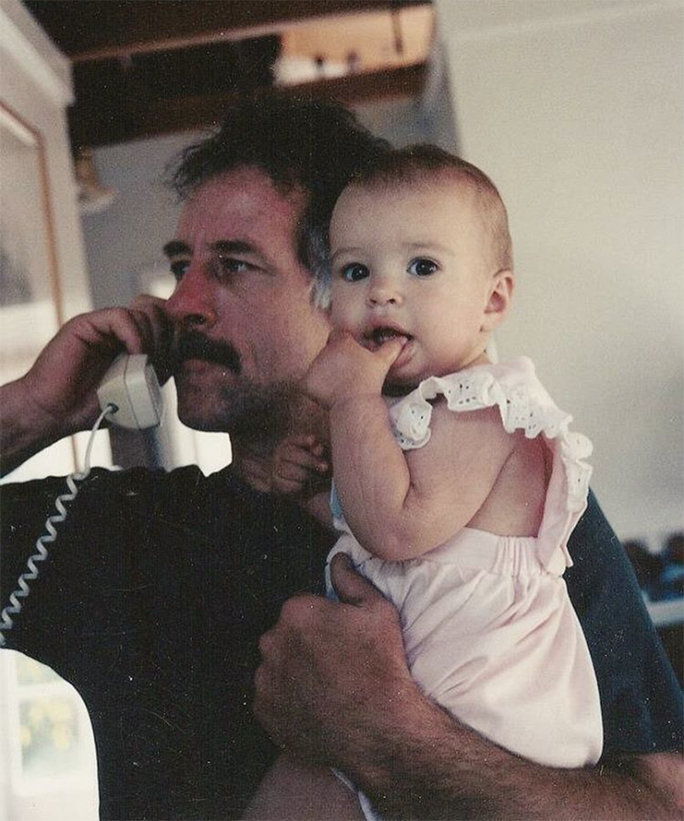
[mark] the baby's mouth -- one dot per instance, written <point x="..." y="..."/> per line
<point x="378" y="336"/>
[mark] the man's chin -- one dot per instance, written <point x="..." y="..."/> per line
<point x="246" y="411"/>
<point x="216" y="405"/>
<point x="204" y="419"/>
<point x="199" y="404"/>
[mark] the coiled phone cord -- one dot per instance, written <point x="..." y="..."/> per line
<point x="50" y="535"/>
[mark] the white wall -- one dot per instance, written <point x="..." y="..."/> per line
<point x="127" y="238"/>
<point x="576" y="111"/>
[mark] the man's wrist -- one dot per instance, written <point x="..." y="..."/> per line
<point x="383" y="752"/>
<point x="431" y="766"/>
<point x="25" y="428"/>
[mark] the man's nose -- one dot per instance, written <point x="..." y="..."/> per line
<point x="384" y="290"/>
<point x="192" y="303"/>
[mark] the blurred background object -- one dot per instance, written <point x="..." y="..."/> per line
<point x="660" y="574"/>
<point x="143" y="68"/>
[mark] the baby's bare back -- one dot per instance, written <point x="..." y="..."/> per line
<point x="515" y="504"/>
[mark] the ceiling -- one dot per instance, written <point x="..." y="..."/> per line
<point x="147" y="67"/>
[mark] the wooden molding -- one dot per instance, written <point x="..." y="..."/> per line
<point x="90" y="30"/>
<point x="138" y="118"/>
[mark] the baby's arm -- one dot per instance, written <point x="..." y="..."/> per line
<point x="401" y="504"/>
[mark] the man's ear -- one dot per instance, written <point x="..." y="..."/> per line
<point x="500" y="295"/>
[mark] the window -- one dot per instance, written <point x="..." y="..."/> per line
<point x="46" y="744"/>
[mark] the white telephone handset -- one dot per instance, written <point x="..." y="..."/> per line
<point x="131" y="386"/>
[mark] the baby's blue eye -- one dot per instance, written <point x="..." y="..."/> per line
<point x="354" y="272"/>
<point x="422" y="267"/>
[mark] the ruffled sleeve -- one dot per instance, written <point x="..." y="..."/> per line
<point x="513" y="387"/>
<point x="524" y="404"/>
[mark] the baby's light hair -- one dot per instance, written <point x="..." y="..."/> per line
<point x="422" y="162"/>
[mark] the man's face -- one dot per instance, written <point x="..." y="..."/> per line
<point x="246" y="327"/>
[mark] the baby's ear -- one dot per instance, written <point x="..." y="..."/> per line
<point x="500" y="295"/>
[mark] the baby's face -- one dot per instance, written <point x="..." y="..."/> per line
<point x="411" y="260"/>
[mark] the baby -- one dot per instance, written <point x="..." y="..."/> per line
<point x="456" y="481"/>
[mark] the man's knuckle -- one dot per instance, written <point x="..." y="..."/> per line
<point x="259" y="707"/>
<point x="301" y="613"/>
<point x="267" y="643"/>
<point x="259" y="675"/>
<point x="296" y="608"/>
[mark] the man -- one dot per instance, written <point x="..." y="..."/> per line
<point x="160" y="585"/>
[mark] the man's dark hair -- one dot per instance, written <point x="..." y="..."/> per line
<point x="298" y="142"/>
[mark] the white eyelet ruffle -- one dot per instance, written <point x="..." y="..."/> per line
<point x="524" y="404"/>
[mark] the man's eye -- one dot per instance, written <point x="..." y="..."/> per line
<point x="354" y="272"/>
<point x="422" y="267"/>
<point x="228" y="266"/>
<point x="178" y="268"/>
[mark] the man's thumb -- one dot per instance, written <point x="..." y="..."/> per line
<point x="350" y="586"/>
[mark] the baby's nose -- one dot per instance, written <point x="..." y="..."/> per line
<point x="384" y="291"/>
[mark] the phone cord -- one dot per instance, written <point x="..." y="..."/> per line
<point x="50" y="535"/>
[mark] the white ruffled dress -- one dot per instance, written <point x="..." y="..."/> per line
<point x="488" y="626"/>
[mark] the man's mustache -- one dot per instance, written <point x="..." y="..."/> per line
<point x="193" y="345"/>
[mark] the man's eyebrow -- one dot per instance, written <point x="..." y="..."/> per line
<point x="234" y="246"/>
<point x="175" y="248"/>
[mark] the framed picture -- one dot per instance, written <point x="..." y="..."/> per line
<point x="29" y="284"/>
<point x="30" y="299"/>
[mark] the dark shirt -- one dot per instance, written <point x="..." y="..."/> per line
<point x="157" y="591"/>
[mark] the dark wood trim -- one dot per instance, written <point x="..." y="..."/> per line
<point x="94" y="30"/>
<point x="150" y="119"/>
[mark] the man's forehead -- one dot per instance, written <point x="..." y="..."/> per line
<point x="241" y="202"/>
<point x="247" y="184"/>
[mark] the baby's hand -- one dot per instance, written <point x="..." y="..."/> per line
<point x="344" y="368"/>
<point x="299" y="467"/>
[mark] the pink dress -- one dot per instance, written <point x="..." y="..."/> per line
<point x="488" y="626"/>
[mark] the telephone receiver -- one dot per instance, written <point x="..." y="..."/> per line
<point x="131" y="386"/>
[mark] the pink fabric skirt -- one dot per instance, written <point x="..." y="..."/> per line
<point x="492" y="636"/>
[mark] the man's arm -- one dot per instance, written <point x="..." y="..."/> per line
<point x="334" y="688"/>
<point x="57" y="397"/>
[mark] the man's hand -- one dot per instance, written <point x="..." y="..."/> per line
<point x="344" y="369"/>
<point x="326" y="667"/>
<point x="57" y="397"/>
<point x="62" y="383"/>
<point x="333" y="689"/>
